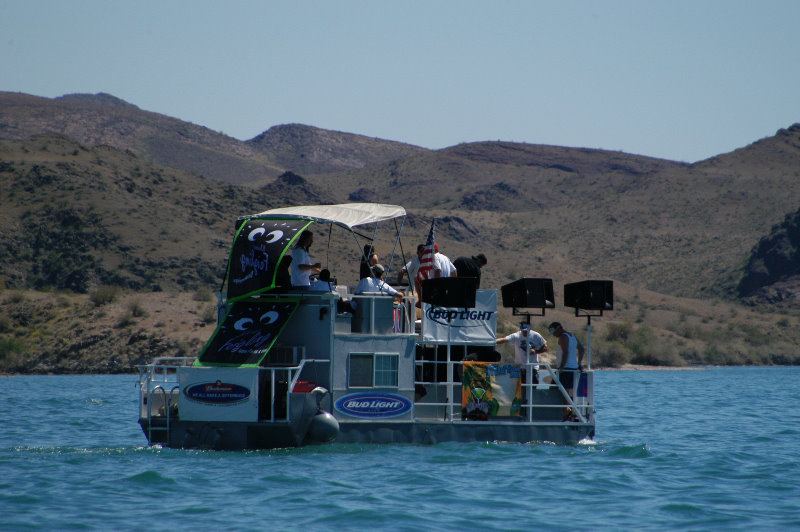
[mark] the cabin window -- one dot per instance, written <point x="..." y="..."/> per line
<point x="386" y="370"/>
<point x="373" y="370"/>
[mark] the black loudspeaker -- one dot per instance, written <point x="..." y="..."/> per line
<point x="529" y="293"/>
<point x="450" y="291"/>
<point x="589" y="295"/>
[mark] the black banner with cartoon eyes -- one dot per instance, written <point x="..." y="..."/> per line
<point x="259" y="255"/>
<point x="248" y="332"/>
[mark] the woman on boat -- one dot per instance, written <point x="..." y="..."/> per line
<point x="368" y="259"/>
<point x="302" y="268"/>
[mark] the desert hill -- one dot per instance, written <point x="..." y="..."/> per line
<point x="310" y="150"/>
<point x="773" y="271"/>
<point x="111" y="215"/>
<point x="102" y="119"/>
<point x="683" y="229"/>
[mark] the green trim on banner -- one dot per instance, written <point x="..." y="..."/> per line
<point x="271" y="286"/>
<point x="257" y="364"/>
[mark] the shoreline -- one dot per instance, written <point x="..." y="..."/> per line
<point x="641" y="367"/>
<point x="625" y="367"/>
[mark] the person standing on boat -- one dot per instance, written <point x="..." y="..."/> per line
<point x="302" y="269"/>
<point x="442" y="265"/>
<point x="569" y="359"/>
<point x="412" y="268"/>
<point x="366" y="264"/>
<point x="471" y="266"/>
<point x="527" y="346"/>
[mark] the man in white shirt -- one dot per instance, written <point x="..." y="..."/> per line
<point x="375" y="284"/>
<point x="527" y="346"/>
<point x="412" y="268"/>
<point x="443" y="265"/>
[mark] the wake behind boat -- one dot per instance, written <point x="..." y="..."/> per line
<point x="289" y="367"/>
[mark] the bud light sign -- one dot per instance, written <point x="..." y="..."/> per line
<point x="478" y="324"/>
<point x="374" y="405"/>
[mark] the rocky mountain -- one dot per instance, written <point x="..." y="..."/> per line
<point x="102" y="119"/>
<point x="310" y="150"/>
<point x="683" y="229"/>
<point x="98" y="193"/>
<point x="773" y="271"/>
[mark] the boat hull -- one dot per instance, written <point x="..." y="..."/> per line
<point x="464" y="431"/>
<point x="221" y="435"/>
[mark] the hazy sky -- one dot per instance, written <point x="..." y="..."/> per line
<point x="681" y="80"/>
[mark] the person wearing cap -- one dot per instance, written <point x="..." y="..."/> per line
<point x="375" y="284"/>
<point x="527" y="346"/>
<point x="471" y="266"/>
<point x="324" y="283"/>
<point x="569" y="358"/>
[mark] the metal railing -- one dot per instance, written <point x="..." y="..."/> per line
<point x="448" y="407"/>
<point x="399" y="319"/>
<point x="155" y="378"/>
<point x="293" y="375"/>
<point x="153" y="381"/>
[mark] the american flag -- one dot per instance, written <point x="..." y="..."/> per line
<point x="426" y="262"/>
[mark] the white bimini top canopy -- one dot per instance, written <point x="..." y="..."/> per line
<point x="348" y="215"/>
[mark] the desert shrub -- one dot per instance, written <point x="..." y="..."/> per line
<point x="754" y="335"/>
<point x="62" y="259"/>
<point x="126" y="320"/>
<point x="104" y="295"/>
<point x="10" y="346"/>
<point x="183" y="349"/>
<point x="209" y="314"/>
<point x="660" y="354"/>
<point x="691" y="356"/>
<point x="30" y="313"/>
<point x="619" y="332"/>
<point x="640" y="342"/>
<point x="16" y="297"/>
<point x="137" y="310"/>
<point x="638" y="346"/>
<point x="610" y="354"/>
<point x="715" y="356"/>
<point x="202" y="295"/>
<point x="690" y="331"/>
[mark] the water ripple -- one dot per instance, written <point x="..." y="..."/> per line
<point x="674" y="450"/>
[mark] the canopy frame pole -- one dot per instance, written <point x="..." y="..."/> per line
<point x="371" y="246"/>
<point x="394" y="249"/>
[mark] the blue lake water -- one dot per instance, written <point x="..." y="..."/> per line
<point x="698" y="449"/>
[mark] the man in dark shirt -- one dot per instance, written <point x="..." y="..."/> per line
<point x="470" y="266"/>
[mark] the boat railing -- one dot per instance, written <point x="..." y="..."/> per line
<point x="545" y="401"/>
<point x="380" y="314"/>
<point x="163" y="369"/>
<point x="154" y="400"/>
<point x="162" y="375"/>
<point x="282" y="381"/>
